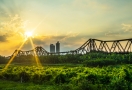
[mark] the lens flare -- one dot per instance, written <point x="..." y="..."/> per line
<point x="35" y="55"/>
<point x="12" y="58"/>
<point x="27" y="34"/>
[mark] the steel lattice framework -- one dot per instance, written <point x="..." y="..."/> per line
<point x="111" y="46"/>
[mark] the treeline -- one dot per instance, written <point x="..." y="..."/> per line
<point x="100" y="59"/>
<point x="3" y="59"/>
<point x="51" y="59"/>
<point x="90" y="59"/>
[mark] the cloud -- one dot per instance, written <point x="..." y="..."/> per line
<point x="3" y="38"/>
<point x="69" y="35"/>
<point x="110" y="33"/>
<point x="38" y="41"/>
<point x="127" y="27"/>
<point x="67" y="41"/>
<point x="12" y="27"/>
<point x="53" y="38"/>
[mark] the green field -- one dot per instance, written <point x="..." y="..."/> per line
<point x="57" y="77"/>
<point x="92" y="71"/>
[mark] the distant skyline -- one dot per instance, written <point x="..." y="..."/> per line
<point x="55" y="48"/>
<point x="72" y="22"/>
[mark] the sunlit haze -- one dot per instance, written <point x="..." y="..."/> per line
<point x="28" y="34"/>
<point x="71" y="22"/>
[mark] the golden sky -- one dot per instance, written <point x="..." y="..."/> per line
<point x="72" y="22"/>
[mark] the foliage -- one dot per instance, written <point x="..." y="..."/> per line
<point x="90" y="59"/>
<point x="3" y="60"/>
<point x="116" y="77"/>
<point x="99" y="62"/>
<point x="100" y="71"/>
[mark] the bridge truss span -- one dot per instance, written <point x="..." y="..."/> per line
<point x="111" y="46"/>
<point x="91" y="45"/>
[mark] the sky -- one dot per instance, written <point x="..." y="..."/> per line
<point x="71" y="22"/>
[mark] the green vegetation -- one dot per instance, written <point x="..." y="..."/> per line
<point x="3" y="60"/>
<point x="91" y="59"/>
<point x="76" y="78"/>
<point x="92" y="71"/>
<point x="87" y="59"/>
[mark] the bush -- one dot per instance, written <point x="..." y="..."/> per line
<point x="25" y="77"/>
<point x="99" y="62"/>
<point x="61" y="78"/>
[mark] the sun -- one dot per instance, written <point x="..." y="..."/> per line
<point x="28" y="34"/>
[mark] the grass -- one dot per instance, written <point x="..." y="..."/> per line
<point x="10" y="85"/>
<point x="59" y="77"/>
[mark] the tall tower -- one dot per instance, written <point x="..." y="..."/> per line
<point x="52" y="48"/>
<point x="58" y="47"/>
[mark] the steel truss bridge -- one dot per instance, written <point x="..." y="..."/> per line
<point x="91" y="45"/>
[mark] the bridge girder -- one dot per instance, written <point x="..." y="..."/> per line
<point x="89" y="46"/>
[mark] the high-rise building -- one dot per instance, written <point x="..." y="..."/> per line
<point x="52" y="48"/>
<point x="58" y="47"/>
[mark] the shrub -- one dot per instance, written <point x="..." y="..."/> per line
<point x="61" y="78"/>
<point x="99" y="62"/>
